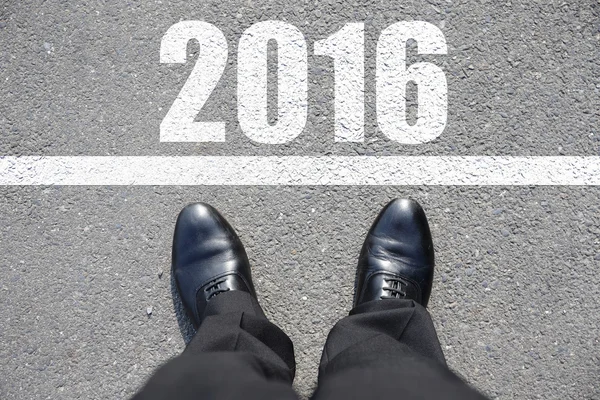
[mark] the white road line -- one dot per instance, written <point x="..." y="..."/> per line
<point x="299" y="170"/>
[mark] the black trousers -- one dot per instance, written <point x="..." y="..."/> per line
<point x="382" y="350"/>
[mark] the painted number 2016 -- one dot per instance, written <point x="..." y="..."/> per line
<point x="346" y="47"/>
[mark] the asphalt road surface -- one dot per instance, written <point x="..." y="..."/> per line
<point x="87" y="305"/>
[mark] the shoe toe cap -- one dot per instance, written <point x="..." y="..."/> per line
<point x="405" y="219"/>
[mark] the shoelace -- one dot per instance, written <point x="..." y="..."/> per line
<point x="395" y="288"/>
<point x="214" y="289"/>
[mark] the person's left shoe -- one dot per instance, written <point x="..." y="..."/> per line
<point x="208" y="259"/>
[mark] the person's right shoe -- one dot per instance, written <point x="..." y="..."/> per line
<point x="397" y="258"/>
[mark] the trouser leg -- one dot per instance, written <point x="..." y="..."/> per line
<point x="236" y="354"/>
<point x="387" y="349"/>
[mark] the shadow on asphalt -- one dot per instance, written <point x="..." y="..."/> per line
<point x="185" y="324"/>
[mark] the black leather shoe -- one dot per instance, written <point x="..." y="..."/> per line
<point x="208" y="259"/>
<point x="397" y="258"/>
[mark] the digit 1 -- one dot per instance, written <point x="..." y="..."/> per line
<point x="347" y="48"/>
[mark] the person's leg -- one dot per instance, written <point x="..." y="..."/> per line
<point x="236" y="353"/>
<point x="387" y="347"/>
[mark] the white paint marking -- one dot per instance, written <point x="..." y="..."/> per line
<point x="178" y="125"/>
<point x="347" y="48"/>
<point x="299" y="170"/>
<point x="292" y="82"/>
<point x="393" y="74"/>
